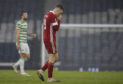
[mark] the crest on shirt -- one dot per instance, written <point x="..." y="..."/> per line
<point x="55" y="19"/>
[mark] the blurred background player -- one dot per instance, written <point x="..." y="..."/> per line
<point x="51" y="24"/>
<point x="21" y="42"/>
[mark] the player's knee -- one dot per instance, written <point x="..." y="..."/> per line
<point x="26" y="56"/>
<point x="52" y="60"/>
<point x="22" y="55"/>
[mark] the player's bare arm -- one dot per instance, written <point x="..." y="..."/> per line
<point x="17" y="38"/>
<point x="31" y="35"/>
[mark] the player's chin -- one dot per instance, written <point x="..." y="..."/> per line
<point x="25" y="18"/>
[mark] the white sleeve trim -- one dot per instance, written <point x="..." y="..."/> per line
<point x="55" y="23"/>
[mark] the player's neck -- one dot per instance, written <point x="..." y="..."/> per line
<point x="54" y="12"/>
<point x="22" y="20"/>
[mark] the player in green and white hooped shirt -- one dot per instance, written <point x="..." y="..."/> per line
<point x="21" y="42"/>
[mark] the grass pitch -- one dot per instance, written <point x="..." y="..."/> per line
<point x="66" y="77"/>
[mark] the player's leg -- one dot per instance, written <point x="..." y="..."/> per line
<point x="26" y="55"/>
<point x="45" y="66"/>
<point x="52" y="59"/>
<point x="49" y="50"/>
<point x="40" y="71"/>
<point x="20" y="60"/>
<point x="22" y="65"/>
<point x="49" y="64"/>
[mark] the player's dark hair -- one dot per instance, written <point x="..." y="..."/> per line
<point x="60" y="6"/>
<point x="22" y="12"/>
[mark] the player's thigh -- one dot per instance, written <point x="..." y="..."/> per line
<point x="48" y="47"/>
<point x="51" y="58"/>
<point x="24" y="48"/>
<point x="27" y="55"/>
<point x="56" y="56"/>
<point x="27" y="51"/>
<point x="21" y="50"/>
<point x="22" y="55"/>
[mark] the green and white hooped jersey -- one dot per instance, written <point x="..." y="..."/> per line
<point x="23" y="31"/>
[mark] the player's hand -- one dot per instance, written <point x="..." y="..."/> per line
<point x="33" y="35"/>
<point x="60" y="17"/>
<point x="18" y="47"/>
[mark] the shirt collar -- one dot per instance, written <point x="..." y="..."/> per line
<point x="52" y="12"/>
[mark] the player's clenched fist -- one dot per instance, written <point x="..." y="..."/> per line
<point x="33" y="35"/>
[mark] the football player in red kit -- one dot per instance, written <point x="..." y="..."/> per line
<point x="51" y="25"/>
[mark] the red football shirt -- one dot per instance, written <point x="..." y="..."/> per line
<point x="50" y="25"/>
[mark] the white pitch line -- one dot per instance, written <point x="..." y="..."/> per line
<point x="6" y="64"/>
<point x="91" y="25"/>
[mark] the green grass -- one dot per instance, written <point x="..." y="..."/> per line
<point x="66" y="77"/>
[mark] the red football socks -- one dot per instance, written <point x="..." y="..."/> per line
<point x="50" y="70"/>
<point x="45" y="66"/>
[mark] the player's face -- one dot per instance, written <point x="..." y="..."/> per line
<point x="59" y="12"/>
<point x="25" y="16"/>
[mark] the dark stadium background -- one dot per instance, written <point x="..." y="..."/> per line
<point x="103" y="51"/>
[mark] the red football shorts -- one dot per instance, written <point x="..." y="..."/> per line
<point x="51" y="48"/>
